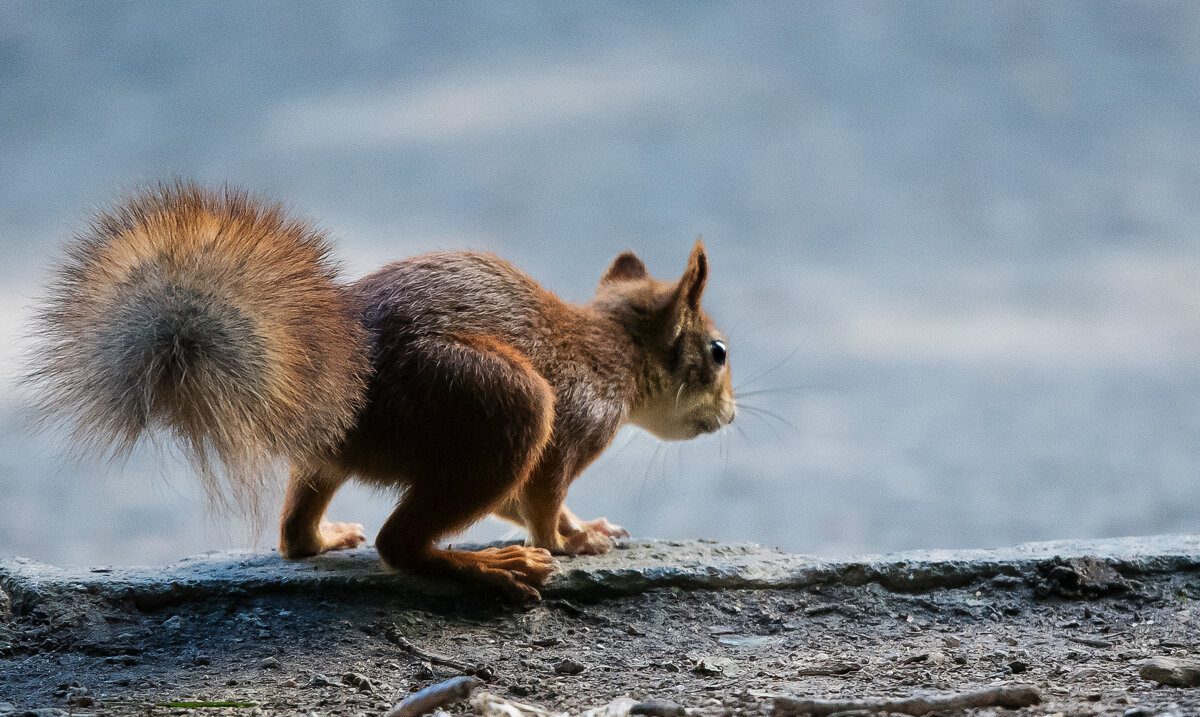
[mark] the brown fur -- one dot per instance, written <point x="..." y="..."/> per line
<point x="452" y="376"/>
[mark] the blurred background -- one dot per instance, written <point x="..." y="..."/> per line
<point x="954" y="244"/>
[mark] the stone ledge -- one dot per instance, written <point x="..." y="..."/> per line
<point x="637" y="567"/>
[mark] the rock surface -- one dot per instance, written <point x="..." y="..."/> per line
<point x="1096" y="628"/>
<point x="637" y="567"/>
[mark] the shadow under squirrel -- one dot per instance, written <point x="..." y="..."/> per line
<point x="452" y="376"/>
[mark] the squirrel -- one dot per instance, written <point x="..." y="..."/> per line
<point x="452" y="377"/>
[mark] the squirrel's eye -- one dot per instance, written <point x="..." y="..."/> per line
<point x="718" y="352"/>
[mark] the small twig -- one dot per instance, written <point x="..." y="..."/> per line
<point x="483" y="671"/>
<point x="1009" y="696"/>
<point x="434" y="696"/>
<point x="486" y="704"/>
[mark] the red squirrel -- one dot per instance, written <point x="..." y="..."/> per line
<point x="452" y="377"/>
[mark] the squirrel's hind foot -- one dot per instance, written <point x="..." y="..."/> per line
<point x="519" y="567"/>
<point x="517" y="570"/>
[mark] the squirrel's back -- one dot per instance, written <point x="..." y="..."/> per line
<point x="210" y="313"/>
<point x="455" y="292"/>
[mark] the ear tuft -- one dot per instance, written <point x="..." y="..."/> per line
<point x="626" y="267"/>
<point x="691" y="285"/>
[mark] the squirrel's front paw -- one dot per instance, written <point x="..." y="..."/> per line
<point x="597" y="538"/>
<point x="588" y="542"/>
<point x="602" y="525"/>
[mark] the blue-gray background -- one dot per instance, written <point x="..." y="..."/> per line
<point x="962" y="234"/>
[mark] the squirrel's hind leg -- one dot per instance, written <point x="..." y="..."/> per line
<point x="431" y="509"/>
<point x="489" y="418"/>
<point x="303" y="531"/>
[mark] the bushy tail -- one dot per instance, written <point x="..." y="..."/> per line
<point x="213" y="315"/>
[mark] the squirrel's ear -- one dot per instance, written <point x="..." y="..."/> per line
<point x="626" y="267"/>
<point x="691" y="284"/>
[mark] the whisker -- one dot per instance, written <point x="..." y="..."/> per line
<point x="724" y="450"/>
<point x="763" y="373"/>
<point x="779" y="438"/>
<point x="612" y="455"/>
<point x="742" y="434"/>
<point x="746" y="326"/>
<point x="781" y="389"/>
<point x="734" y="329"/>
<point x="646" y="475"/>
<point x="771" y="414"/>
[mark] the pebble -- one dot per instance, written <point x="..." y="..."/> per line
<point x="657" y="709"/>
<point x="1007" y="582"/>
<point x="360" y="682"/>
<point x="425" y="671"/>
<point x="201" y="660"/>
<point x="569" y="667"/>
<point x="1171" y="671"/>
<point x="748" y="641"/>
<point x="269" y="663"/>
<point x="713" y="666"/>
<point x="172" y="624"/>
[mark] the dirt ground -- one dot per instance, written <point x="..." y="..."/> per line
<point x="714" y="652"/>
